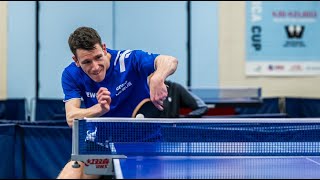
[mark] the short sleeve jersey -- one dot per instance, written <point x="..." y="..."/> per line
<point x="126" y="79"/>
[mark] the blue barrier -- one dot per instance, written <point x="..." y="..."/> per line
<point x="269" y="106"/>
<point x="302" y="107"/>
<point x="10" y="165"/>
<point x="14" y="109"/>
<point x="46" y="149"/>
<point x="33" y="151"/>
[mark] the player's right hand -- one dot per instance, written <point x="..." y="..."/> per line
<point x="104" y="98"/>
<point x="158" y="91"/>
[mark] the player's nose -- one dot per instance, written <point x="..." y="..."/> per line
<point x="95" y="66"/>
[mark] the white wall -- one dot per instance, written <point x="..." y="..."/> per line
<point x="204" y="44"/>
<point x="57" y="21"/>
<point x="159" y="27"/>
<point x="21" y="49"/>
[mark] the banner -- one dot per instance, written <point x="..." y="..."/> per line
<point x="282" y="38"/>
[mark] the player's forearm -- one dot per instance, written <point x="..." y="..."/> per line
<point x="79" y="113"/>
<point x="165" y="66"/>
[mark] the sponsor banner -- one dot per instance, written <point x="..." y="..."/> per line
<point x="283" y="68"/>
<point x="282" y="31"/>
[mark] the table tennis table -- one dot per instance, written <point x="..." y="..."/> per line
<point x="225" y="167"/>
<point x="229" y="97"/>
<point x="226" y="100"/>
<point x="201" y="148"/>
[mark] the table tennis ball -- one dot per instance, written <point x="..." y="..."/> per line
<point x="139" y="116"/>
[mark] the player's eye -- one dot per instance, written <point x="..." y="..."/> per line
<point x="99" y="57"/>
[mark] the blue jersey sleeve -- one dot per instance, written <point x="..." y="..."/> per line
<point x="144" y="62"/>
<point x="70" y="88"/>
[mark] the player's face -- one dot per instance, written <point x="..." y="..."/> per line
<point x="94" y="63"/>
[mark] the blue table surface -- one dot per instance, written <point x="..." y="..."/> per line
<point x="219" y="167"/>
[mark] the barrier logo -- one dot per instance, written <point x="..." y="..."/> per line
<point x="100" y="163"/>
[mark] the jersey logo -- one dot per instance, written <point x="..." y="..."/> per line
<point x="122" y="87"/>
<point x="121" y="57"/>
<point x="91" y="95"/>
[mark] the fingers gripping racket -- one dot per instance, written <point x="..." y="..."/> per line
<point x="146" y="109"/>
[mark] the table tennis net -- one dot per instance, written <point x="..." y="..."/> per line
<point x="174" y="138"/>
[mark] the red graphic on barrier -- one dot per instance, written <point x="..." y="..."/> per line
<point x="100" y="163"/>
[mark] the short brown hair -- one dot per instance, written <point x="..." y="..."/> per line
<point x="83" y="38"/>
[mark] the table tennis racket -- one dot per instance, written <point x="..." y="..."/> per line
<point x="146" y="109"/>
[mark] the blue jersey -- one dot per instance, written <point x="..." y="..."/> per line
<point x="126" y="79"/>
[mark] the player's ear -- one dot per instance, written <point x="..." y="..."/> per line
<point x="104" y="47"/>
<point x="76" y="60"/>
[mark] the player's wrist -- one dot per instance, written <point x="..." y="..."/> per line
<point x="100" y="109"/>
<point x="156" y="79"/>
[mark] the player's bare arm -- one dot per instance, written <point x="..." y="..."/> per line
<point x="73" y="110"/>
<point x="165" y="66"/>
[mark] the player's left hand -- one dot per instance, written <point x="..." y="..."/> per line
<point x="158" y="91"/>
<point x="104" y="98"/>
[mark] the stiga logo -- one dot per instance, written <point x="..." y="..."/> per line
<point x="294" y="34"/>
<point x="100" y="163"/>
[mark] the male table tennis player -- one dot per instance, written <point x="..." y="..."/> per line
<point x="111" y="82"/>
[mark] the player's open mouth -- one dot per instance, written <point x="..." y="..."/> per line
<point x="97" y="73"/>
